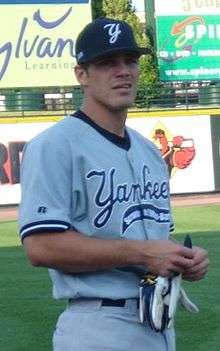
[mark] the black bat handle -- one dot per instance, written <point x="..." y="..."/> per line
<point x="188" y="241"/>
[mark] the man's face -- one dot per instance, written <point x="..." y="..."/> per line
<point x="112" y="80"/>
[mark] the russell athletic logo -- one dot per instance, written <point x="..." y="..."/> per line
<point x="113" y="31"/>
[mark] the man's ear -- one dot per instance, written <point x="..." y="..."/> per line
<point x="81" y="74"/>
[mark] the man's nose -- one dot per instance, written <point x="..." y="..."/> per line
<point x="123" y="68"/>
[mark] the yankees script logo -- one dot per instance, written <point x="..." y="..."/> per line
<point x="113" y="32"/>
<point x="109" y="194"/>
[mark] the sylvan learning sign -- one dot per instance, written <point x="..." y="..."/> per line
<point x="188" y="39"/>
<point x="38" y="40"/>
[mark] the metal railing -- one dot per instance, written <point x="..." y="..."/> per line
<point x="25" y="102"/>
<point x="181" y="96"/>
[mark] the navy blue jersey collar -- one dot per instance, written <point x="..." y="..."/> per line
<point x="122" y="142"/>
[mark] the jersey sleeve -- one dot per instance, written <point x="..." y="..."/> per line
<point x="46" y="184"/>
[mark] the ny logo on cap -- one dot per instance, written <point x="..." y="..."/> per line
<point x="113" y="32"/>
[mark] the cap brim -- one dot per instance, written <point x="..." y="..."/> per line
<point x="137" y="50"/>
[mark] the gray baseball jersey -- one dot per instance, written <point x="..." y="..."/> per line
<point x="77" y="175"/>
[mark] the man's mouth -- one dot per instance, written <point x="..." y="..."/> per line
<point x="125" y="86"/>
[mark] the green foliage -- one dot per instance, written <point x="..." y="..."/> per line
<point x="97" y="8"/>
<point x="148" y="84"/>
<point x="119" y="9"/>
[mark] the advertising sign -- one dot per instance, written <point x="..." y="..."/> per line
<point x="38" y="41"/>
<point x="188" y="40"/>
<point x="184" y="142"/>
<point x="215" y="128"/>
<point x="12" y="141"/>
<point x="186" y="7"/>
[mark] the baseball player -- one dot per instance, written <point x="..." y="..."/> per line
<point x="95" y="205"/>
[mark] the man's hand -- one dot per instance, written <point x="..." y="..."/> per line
<point x="72" y="252"/>
<point x="167" y="258"/>
<point x="200" y="265"/>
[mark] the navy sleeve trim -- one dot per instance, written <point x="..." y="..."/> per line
<point x="44" y="226"/>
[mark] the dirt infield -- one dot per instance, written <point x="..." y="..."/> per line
<point x="11" y="212"/>
<point x="8" y="213"/>
<point x="196" y="199"/>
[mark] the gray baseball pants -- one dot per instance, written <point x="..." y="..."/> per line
<point x="86" y="325"/>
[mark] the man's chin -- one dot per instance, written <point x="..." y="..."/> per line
<point x="122" y="105"/>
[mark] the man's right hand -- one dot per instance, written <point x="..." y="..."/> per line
<point x="165" y="257"/>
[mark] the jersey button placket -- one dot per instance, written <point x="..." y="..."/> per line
<point x="136" y="170"/>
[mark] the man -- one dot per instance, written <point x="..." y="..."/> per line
<point x="95" y="205"/>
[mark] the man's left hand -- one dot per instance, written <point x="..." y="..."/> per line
<point x="200" y="267"/>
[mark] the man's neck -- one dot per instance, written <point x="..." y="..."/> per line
<point x="113" y="121"/>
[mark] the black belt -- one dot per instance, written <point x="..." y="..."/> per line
<point x="116" y="303"/>
<point x="111" y="303"/>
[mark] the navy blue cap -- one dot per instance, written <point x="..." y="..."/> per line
<point x="105" y="36"/>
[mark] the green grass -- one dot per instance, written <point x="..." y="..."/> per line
<point x="200" y="332"/>
<point x="28" y="313"/>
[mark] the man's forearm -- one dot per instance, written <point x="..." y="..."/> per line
<point x="74" y="252"/>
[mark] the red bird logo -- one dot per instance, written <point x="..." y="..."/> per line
<point x="178" y="153"/>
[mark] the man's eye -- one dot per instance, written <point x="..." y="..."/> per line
<point x="104" y="63"/>
<point x="132" y="60"/>
<point x="108" y="62"/>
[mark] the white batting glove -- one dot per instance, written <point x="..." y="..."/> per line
<point x="159" y="298"/>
